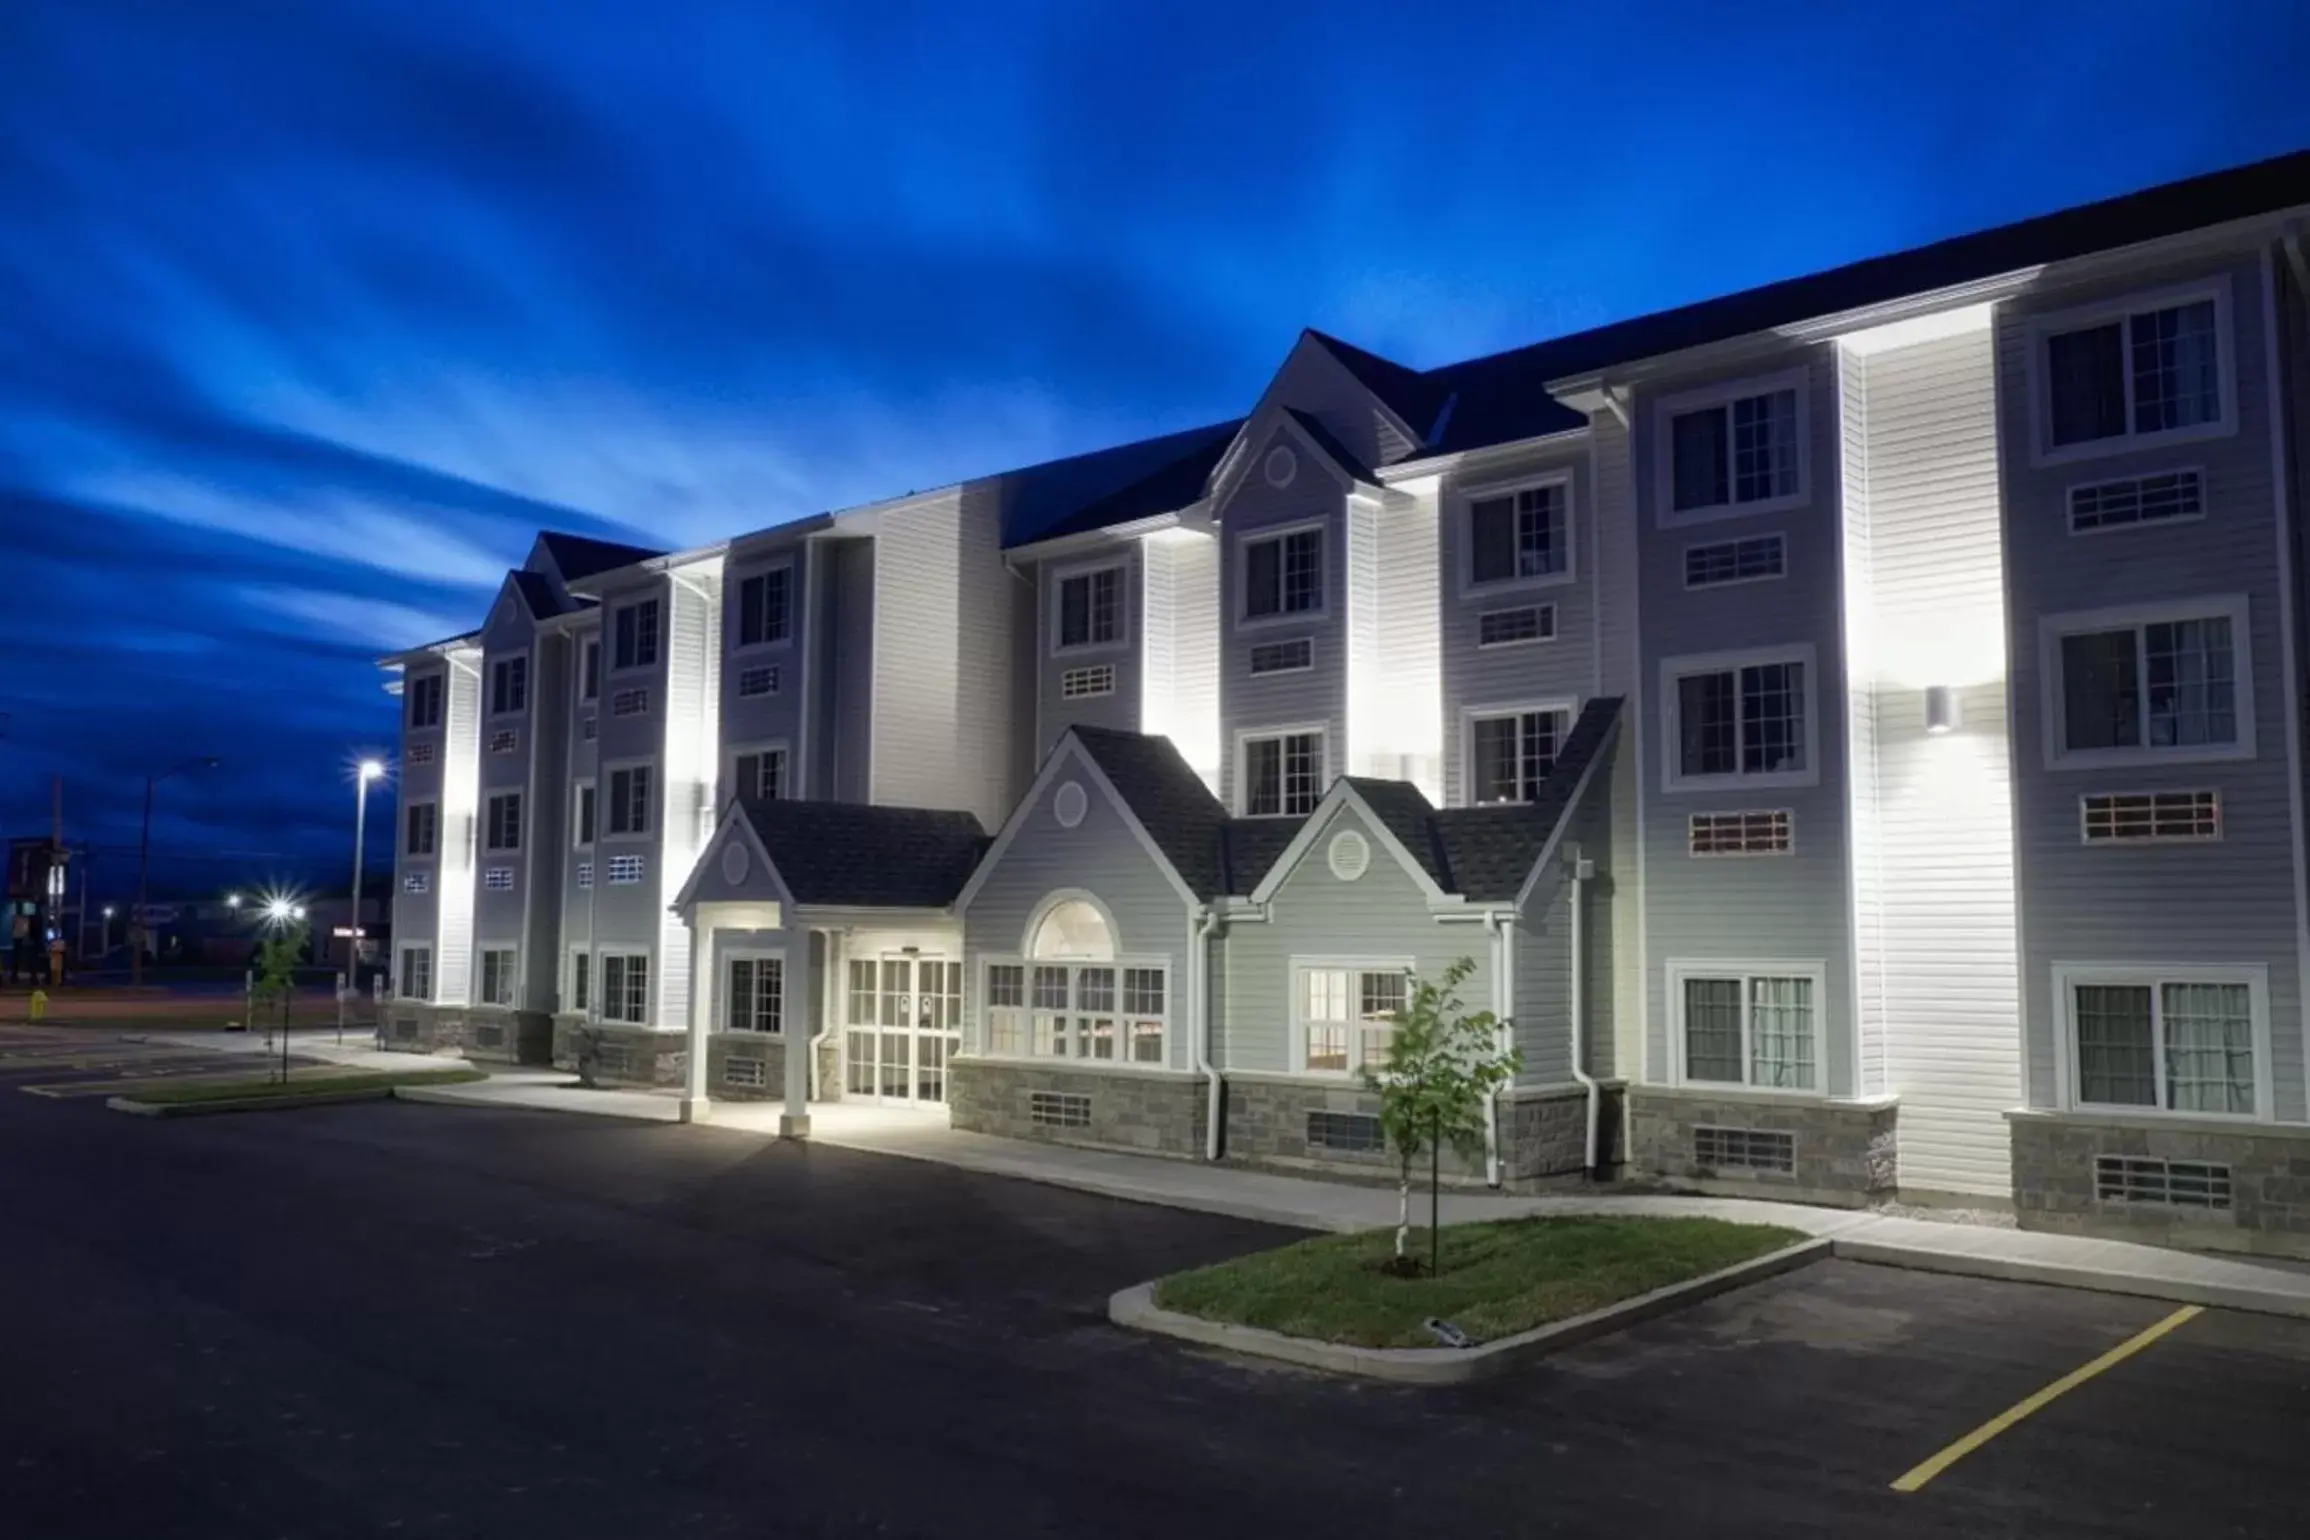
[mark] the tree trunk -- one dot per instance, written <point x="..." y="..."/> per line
<point x="1404" y="1208"/>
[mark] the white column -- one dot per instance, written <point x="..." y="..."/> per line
<point x="696" y="1108"/>
<point x="794" y="1121"/>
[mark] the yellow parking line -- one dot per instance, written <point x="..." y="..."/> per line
<point x="1916" y="1478"/>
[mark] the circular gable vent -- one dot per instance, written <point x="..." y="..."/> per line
<point x="1069" y="805"/>
<point x="1350" y="855"/>
<point x="1280" y="466"/>
<point x="736" y="863"/>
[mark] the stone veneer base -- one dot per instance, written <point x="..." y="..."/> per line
<point x="1543" y="1133"/>
<point x="767" y="1082"/>
<point x="469" y="1032"/>
<point x="2054" y="1185"/>
<point x="1846" y="1154"/>
<point x="1146" y="1112"/>
<point x="624" y="1055"/>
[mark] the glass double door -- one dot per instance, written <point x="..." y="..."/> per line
<point x="904" y="1022"/>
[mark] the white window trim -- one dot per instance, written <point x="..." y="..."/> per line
<point x="441" y="718"/>
<point x="607" y="769"/>
<point x="1672" y="776"/>
<point x="1815" y="969"/>
<point x="1241" y="613"/>
<point x="1548" y="634"/>
<point x="430" y="857"/>
<point x="400" y="980"/>
<point x="1300" y="967"/>
<point x="1684" y="558"/>
<point x="2221" y="817"/>
<point x="629" y="949"/>
<point x="1246" y="736"/>
<point x="1121" y="566"/>
<point x="2205" y="496"/>
<point x="739" y="751"/>
<point x="737" y="581"/>
<point x="521" y="830"/>
<point x="481" y="973"/>
<point x="1471" y="715"/>
<point x="1468" y="497"/>
<point x="2068" y="975"/>
<point x="2042" y="327"/>
<point x="528" y="686"/>
<point x="1664" y="414"/>
<point x="610" y="668"/>
<point x="569" y="1002"/>
<point x="2053" y="720"/>
<point x="727" y="992"/>
<point x="1278" y="641"/>
<point x="594" y="640"/>
<point x="577" y="787"/>
<point x="977" y="1010"/>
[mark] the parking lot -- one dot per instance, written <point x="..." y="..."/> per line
<point x="398" y="1319"/>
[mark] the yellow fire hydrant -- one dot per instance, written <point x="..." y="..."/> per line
<point x="39" y="1004"/>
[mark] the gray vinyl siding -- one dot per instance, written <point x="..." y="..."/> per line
<point x="1560" y="669"/>
<point x="776" y="717"/>
<point x="1120" y="709"/>
<point x="580" y="755"/>
<point x="842" y="681"/>
<point x="1381" y="917"/>
<point x="1794" y="908"/>
<point x="455" y="874"/>
<point x="2230" y="902"/>
<point x="1100" y="855"/>
<point x="625" y="917"/>
<point x="1615" y="659"/>
<point x="499" y="917"/>
<point x="1542" y="1005"/>
<point x="416" y="916"/>
<point x="1313" y="381"/>
<point x="545" y="842"/>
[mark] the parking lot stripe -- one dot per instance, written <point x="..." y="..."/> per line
<point x="1915" y="1478"/>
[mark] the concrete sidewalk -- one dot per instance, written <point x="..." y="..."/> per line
<point x="1978" y="1251"/>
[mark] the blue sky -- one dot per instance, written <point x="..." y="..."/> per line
<point x="313" y="311"/>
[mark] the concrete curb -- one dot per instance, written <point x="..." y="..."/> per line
<point x="1136" y="1309"/>
<point x="244" y="1103"/>
<point x="446" y="1096"/>
<point x="2181" y="1291"/>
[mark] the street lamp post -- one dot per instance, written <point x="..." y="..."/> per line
<point x="137" y="927"/>
<point x="370" y="770"/>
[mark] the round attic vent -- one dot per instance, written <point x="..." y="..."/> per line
<point x="736" y="863"/>
<point x="1350" y="855"/>
<point x="1280" y="467"/>
<point x="1069" y="805"/>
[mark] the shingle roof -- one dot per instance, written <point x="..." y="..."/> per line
<point x="1331" y="446"/>
<point x="1168" y="489"/>
<point x="1253" y="846"/>
<point x="1411" y="395"/>
<point x="582" y="556"/>
<point x="1186" y="822"/>
<point x="1410" y="817"/>
<point x="1043" y="501"/>
<point x="1490" y="850"/>
<point x="543" y="599"/>
<point x="852" y="855"/>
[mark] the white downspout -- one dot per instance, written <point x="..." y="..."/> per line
<point x="1202" y="921"/>
<point x="1502" y="927"/>
<point x="1580" y="870"/>
<point x="835" y="992"/>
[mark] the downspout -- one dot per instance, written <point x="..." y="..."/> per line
<point x="834" y="996"/>
<point x="1202" y="921"/>
<point x="1502" y="927"/>
<point x="1580" y="870"/>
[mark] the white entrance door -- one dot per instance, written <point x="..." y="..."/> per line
<point x="905" y="1020"/>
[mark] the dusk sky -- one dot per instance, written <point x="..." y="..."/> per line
<point x="313" y="312"/>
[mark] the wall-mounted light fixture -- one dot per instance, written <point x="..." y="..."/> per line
<point x="1940" y="709"/>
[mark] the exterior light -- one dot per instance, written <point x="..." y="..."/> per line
<point x="232" y="900"/>
<point x="297" y="912"/>
<point x="371" y="769"/>
<point x="278" y="909"/>
<point x="108" y="911"/>
<point x="1941" y="713"/>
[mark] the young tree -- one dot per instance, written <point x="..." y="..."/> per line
<point x="277" y="958"/>
<point x="1443" y="1064"/>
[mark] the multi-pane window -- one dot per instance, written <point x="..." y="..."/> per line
<point x="1091" y="608"/>
<point x="506" y="740"/>
<point x="585" y="874"/>
<point x="1740" y="721"/>
<point x="580" y="980"/>
<point x="757" y="995"/>
<point x="2153" y="371"/>
<point x="2131" y="500"/>
<point x="1734" y="452"/>
<point x="1505" y="628"/>
<point x="499" y="981"/>
<point x="417" y="754"/>
<point x="626" y="986"/>
<point x="1290" y="657"/>
<point x="508" y="686"/>
<point x="502" y="824"/>
<point x="1348" y="1016"/>
<point x="1735" y="561"/>
<point x="2160" y="685"/>
<point x="1100" y="1011"/>
<point x="419" y="881"/>
<point x="424" y="693"/>
<point x="1757" y="1029"/>
<point x="497" y="879"/>
<point x="421" y="822"/>
<point x="590" y="669"/>
<point x="2149" y="816"/>
<point x="629" y="800"/>
<point x="1093" y="679"/>
<point x="765" y="607"/>
<point x="1519" y="534"/>
<point x="416" y="973"/>
<point x="2174" y="1044"/>
<point x="582" y="833"/>
<point x="1006" y="1008"/>
<point x="629" y="703"/>
<point x="1283" y="574"/>
<point x="634" y="636"/>
<point x="762" y="679"/>
<point x="1769" y="832"/>
<point x="625" y="871"/>
<point x="1511" y="753"/>
<point x="1282" y="775"/>
<point x="761" y="774"/>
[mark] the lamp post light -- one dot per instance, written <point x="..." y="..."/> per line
<point x="369" y="770"/>
<point x="104" y="934"/>
<point x="137" y="926"/>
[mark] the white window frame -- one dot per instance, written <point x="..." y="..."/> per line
<point x="510" y="973"/>
<point x="1300" y="968"/>
<point x="2085" y="818"/>
<point x="401" y="966"/>
<point x="1242" y="616"/>
<point x="1684" y="559"/>
<point x="590" y="642"/>
<point x="729" y="991"/>
<point x="1815" y="969"/>
<point x="2069" y="498"/>
<point x="1246" y="736"/>
<point x="1545" y="616"/>
<point x="1669" y="408"/>
<point x="627" y="950"/>
<point x="778" y="746"/>
<point x="2068" y="975"/>
<point x="440" y="702"/>
<point x="580" y="837"/>
<point x="520" y="820"/>
<point x="980" y="1012"/>
<point x="429" y="857"/>
<point x="610" y="637"/>
<point x="736" y="589"/>
<point x="1061" y="576"/>
<point x="1468" y="497"/>
<point x="1672" y="776"/>
<point x="2053" y="719"/>
<point x="2121" y="308"/>
<point x="527" y="682"/>
<point x="1471" y="715"/>
<point x="607" y="774"/>
<point x="577" y="962"/>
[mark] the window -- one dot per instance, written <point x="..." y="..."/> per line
<point x="761" y="774"/>
<point x="1283" y="657"/>
<point x="585" y="875"/>
<point x="759" y="680"/>
<point x="498" y="879"/>
<point x="1507" y="628"/>
<point x="2134" y="374"/>
<point x="590" y="669"/>
<point x="582" y="815"/>
<point x="416" y="973"/>
<point x="502" y="826"/>
<point x="625" y="871"/>
<point x="1090" y="608"/>
<point x="1071" y="998"/>
<point x="629" y="703"/>
<point x="634" y="637"/>
<point x="2161" y="499"/>
<point x="419" y="881"/>
<point x="580" y="980"/>
<point x="1769" y="833"/>
<point x="757" y="995"/>
<point x="2186" y="1040"/>
<point x="629" y="805"/>
<point x="1735" y="561"/>
<point x="589" y="728"/>
<point x="424" y="693"/>
<point x="1511" y="752"/>
<point x="498" y="982"/>
<point x="422" y="824"/>
<point x="1519" y="534"/>
<point x="765" y="608"/>
<point x="1282" y="774"/>
<point x="1737" y="451"/>
<point x="1742" y="1026"/>
<point x="1746" y="719"/>
<point x="1085" y="683"/>
<point x="1348" y="1015"/>
<point x="1006" y="994"/>
<point x="1283" y="574"/>
<point x="508" y="686"/>
<point x="2169" y="682"/>
<point x="506" y="740"/>
<point x="417" y="754"/>
<point x="2150" y="816"/>
<point x="625" y="986"/>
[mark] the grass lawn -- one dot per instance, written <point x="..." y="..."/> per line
<point x="256" y="1088"/>
<point x="1498" y="1278"/>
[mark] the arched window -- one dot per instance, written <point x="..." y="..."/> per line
<point x="1073" y="996"/>
<point x="1073" y="931"/>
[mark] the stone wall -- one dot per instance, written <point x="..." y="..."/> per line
<point x="768" y="1083"/>
<point x="493" y="1036"/>
<point x="1146" y="1112"/>
<point x="1544" y="1136"/>
<point x="625" y="1055"/>
<point x="1274" y="1122"/>
<point x="1842" y="1153"/>
<point x="2262" y="1208"/>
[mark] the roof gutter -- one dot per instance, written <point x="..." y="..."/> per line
<point x="1420" y="467"/>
